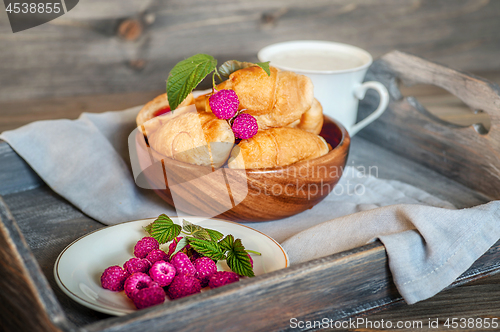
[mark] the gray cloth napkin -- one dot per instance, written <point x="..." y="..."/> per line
<point x="428" y="242"/>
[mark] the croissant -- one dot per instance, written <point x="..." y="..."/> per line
<point x="275" y="101"/>
<point x="277" y="147"/>
<point x="255" y="89"/>
<point x="294" y="96"/>
<point x="148" y="120"/>
<point x="312" y="120"/>
<point x="193" y="137"/>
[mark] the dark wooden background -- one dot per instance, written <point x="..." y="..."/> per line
<point x="90" y="50"/>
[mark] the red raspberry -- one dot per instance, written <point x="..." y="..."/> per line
<point x="162" y="272"/>
<point x="134" y="265"/>
<point x="157" y="255"/>
<point x="245" y="126"/>
<point x="183" y="285"/>
<point x="183" y="264"/>
<point x="113" y="278"/>
<point x="205" y="267"/>
<point x="144" y="246"/>
<point x="147" y="297"/>
<point x="224" y="104"/>
<point x="136" y="282"/>
<point x="193" y="255"/>
<point x="222" y="278"/>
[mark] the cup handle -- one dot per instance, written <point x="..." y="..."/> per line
<point x="360" y="92"/>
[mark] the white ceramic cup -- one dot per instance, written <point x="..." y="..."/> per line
<point x="337" y="72"/>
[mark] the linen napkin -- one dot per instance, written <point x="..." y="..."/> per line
<point x="428" y="242"/>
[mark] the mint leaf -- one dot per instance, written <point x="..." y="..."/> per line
<point x="227" y="242"/>
<point x="186" y="75"/>
<point x="195" y="230"/>
<point x="148" y="228"/>
<point x="180" y="245"/>
<point x="206" y="248"/>
<point x="230" y="66"/>
<point x="238" y="260"/>
<point x="214" y="235"/>
<point x="265" y="66"/>
<point x="163" y="229"/>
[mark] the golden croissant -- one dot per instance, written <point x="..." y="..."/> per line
<point x="276" y="147"/>
<point x="275" y="101"/>
<point x="198" y="138"/>
<point x="148" y="119"/>
<point x="312" y="120"/>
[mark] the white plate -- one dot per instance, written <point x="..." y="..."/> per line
<point x="79" y="267"/>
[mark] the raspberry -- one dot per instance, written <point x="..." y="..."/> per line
<point x="183" y="264"/>
<point x="205" y="267"/>
<point x="144" y="246"/>
<point x="148" y="297"/>
<point x="245" y="126"/>
<point x="193" y="255"/>
<point x="162" y="272"/>
<point x="136" y="282"/>
<point x="222" y="278"/>
<point x="224" y="104"/>
<point x="134" y="265"/>
<point x="113" y="278"/>
<point x="157" y="255"/>
<point x="183" y="285"/>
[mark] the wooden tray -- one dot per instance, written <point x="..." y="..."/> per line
<point x="456" y="164"/>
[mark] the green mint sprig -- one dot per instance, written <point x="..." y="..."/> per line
<point x="207" y="242"/>
<point x="188" y="73"/>
<point x="163" y="229"/>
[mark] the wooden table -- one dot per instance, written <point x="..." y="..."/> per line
<point x="49" y="223"/>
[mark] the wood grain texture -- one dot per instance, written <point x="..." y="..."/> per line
<point x="49" y="223"/>
<point x="246" y="195"/>
<point x="82" y="53"/>
<point x="460" y="153"/>
<point x="477" y="300"/>
<point x="370" y="158"/>
<point x="23" y="285"/>
<point x="17" y="113"/>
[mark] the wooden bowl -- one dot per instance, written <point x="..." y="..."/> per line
<point x="245" y="195"/>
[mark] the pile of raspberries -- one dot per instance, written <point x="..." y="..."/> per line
<point x="152" y="275"/>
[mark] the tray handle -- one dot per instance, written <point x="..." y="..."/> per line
<point x="460" y="153"/>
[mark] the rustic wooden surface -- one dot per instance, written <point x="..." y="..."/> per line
<point x="23" y="284"/>
<point x="109" y="46"/>
<point x="467" y="154"/>
<point x="14" y="114"/>
<point x="49" y="223"/>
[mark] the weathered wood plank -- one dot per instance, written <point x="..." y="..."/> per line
<point x="14" y="114"/>
<point x="460" y="153"/>
<point x="370" y="158"/>
<point x="24" y="286"/>
<point x="49" y="223"/>
<point x="81" y="53"/>
<point x="477" y="300"/>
